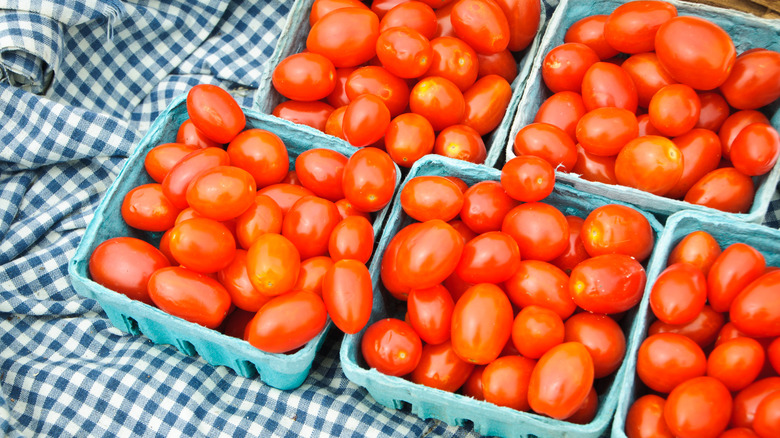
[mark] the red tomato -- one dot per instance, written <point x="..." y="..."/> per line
<point x="736" y="363"/>
<point x="124" y="265"/>
<point x="430" y="313"/>
<point x="235" y="323"/>
<point x="666" y="360"/>
<point x="235" y="279"/>
<point x="595" y="168"/>
<point x="272" y="330"/>
<point x="647" y="73"/>
<point x="161" y="159"/>
<point x="441" y="368"/>
<point x="542" y="284"/>
<point x="698" y="407"/>
<point x="346" y="209"/>
<point x="604" y="131"/>
<point x="348" y="295"/>
<point x="645" y="418"/>
<point x="189" y="134"/>
<point x="222" y="193"/>
<point x="679" y="294"/>
<point x="438" y="100"/>
<point x="454" y="60"/>
<point x="773" y="354"/>
<point x="352" y="238"/>
<point x="484" y="206"/>
<point x="701" y="151"/>
<point x="321" y="8"/>
<point x="463" y="229"/>
<point x="461" y="142"/>
<point x="535" y="330"/>
<point x="528" y="178"/>
<point x="175" y="183"/>
<point x="695" y="51"/>
<point x="481" y="24"/>
<point x="735" y="268"/>
<point x="601" y="336"/>
<point x="734" y="124"/>
<point x="473" y="386"/>
<point x="202" y="245"/>
<point x="285" y="195"/>
<point x="631" y="27"/>
<point x="369" y="179"/>
<point x="501" y="63"/>
<point x="379" y="82"/>
<point x="321" y="171"/>
<point x="481" y="324"/>
<point x="746" y="402"/>
<point x="412" y="14"/>
<point x="729" y="332"/>
<point x="165" y="246"/>
<point x="382" y="7"/>
<point x="189" y="295"/>
<point x="587" y="412"/>
<point x="563" y="110"/>
<point x="564" y="66"/>
<point x="391" y="347"/>
<point x="650" y="163"/>
<point x="214" y="112"/>
<point x="404" y="52"/>
<point x="755" y="310"/>
<point x="505" y="382"/>
<point x="590" y="31"/>
<point x="645" y="126"/>
<point x="548" y="142"/>
<point x="308" y="225"/>
<point x="311" y="274"/>
<point x="554" y="390"/>
<point x="389" y="273"/>
<point x="486" y="103"/>
<point x="755" y="149"/>
<point x="714" y="111"/>
<point x="674" y="109"/>
<point x="314" y="114"/>
<point x="540" y="230"/>
<point x="752" y="83"/>
<point x="335" y="124"/>
<point x="273" y="264"/>
<point x="431" y="197"/>
<point x="575" y="252"/>
<point x="606" y="84"/>
<point x="305" y="77"/>
<point x="491" y="257"/>
<point x="409" y="137"/>
<point x="147" y="208"/>
<point x="365" y="120"/>
<point x="261" y="153"/>
<point x="617" y="229"/>
<point x="767" y="420"/>
<point x="338" y="97"/>
<point x="345" y="36"/>
<point x="610" y="283"/>
<point x="523" y="17"/>
<point x="428" y="254"/>
<point x="725" y="189"/>
<point x="738" y="432"/>
<point x="703" y="329"/>
<point x="444" y="22"/>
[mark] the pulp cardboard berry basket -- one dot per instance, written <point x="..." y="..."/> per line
<point x="293" y="40"/>
<point x="726" y="232"/>
<point x="745" y="30"/>
<point x="283" y="371"/>
<point x="487" y="418"/>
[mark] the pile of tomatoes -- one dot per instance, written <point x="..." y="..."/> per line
<point x="412" y="77"/>
<point x="659" y="102"/>
<point x="713" y="356"/>
<point x="242" y="231"/>
<point x="509" y="301"/>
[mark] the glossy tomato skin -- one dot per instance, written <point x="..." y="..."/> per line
<point x="235" y="279"/>
<point x="285" y="195"/>
<point x="746" y="402"/>
<point x="214" y="112"/>
<point x="735" y="268"/>
<point x="202" y="245"/>
<point x="322" y="171"/>
<point x="391" y="279"/>
<point x="734" y="124"/>
<point x="273" y="331"/>
<point x="428" y="254"/>
<point x="645" y="418"/>
<point x="755" y="310"/>
<point x="650" y="163"/>
<point x="751" y="83"/>
<point x="564" y="66"/>
<point x="189" y="295"/>
<point x="648" y="75"/>
<point x="701" y="151"/>
<point x="523" y="17"/>
<point x="679" y="294"/>
<point x="441" y="368"/>
<point x="314" y="114"/>
<point x="365" y="120"/>
<point x="321" y="8"/>
<point x="369" y="179"/>
<point x="714" y="111"/>
<point x="273" y="264"/>
<point x="189" y="134"/>
<point x="484" y="206"/>
<point x="408" y="138"/>
<point x="564" y="110"/>
<point x="305" y="77"/>
<point x="404" y="52"/>
<point x="668" y="359"/>
<point x="261" y="153"/>
<point x="491" y="257"/>
<point x="773" y="354"/>
<point x="601" y="336"/>
<point x="461" y="142"/>
<point x="528" y="178"/>
<point x="392" y="347"/>
<point x="161" y="159"/>
<point x="674" y="109"/>
<point x="725" y="189"/>
<point x="481" y="324"/>
<point x="703" y="329"/>
<point x="147" y="208"/>
<point x="378" y="81"/>
<point x="439" y="100"/>
<point x="430" y="313"/>
<point x="617" y="229"/>
<point x="345" y="36"/>
<point x="486" y="103"/>
<point x="767" y="419"/>
<point x="430" y="197"/>
<point x="755" y="149"/>
<point x="736" y="363"/>
<point x="312" y="272"/>
<point x="222" y="193"/>
<point x="124" y="265"/>
<point x="548" y="142"/>
<point x="175" y="183"/>
<point x="535" y="330"/>
<point x="338" y="97"/>
<point x="595" y="168"/>
<point x="609" y="283"/>
<point x="501" y="63"/>
<point x="415" y="15"/>
<point x="540" y="283"/>
<point x="481" y="24"/>
<point x="308" y="225"/>
<point x="575" y="252"/>
<point x="695" y="51"/>
<point x="590" y="31"/>
<point x="698" y="407"/>
<point x="606" y="84"/>
<point x="352" y="238"/>
<point x="348" y="295"/>
<point x="540" y="230"/>
<point x="346" y="209"/>
<point x="631" y="27"/>
<point x="505" y="381"/>
<point x="645" y="127"/>
<point x="454" y="60"/>
<point x="604" y="131"/>
<point x="553" y="390"/>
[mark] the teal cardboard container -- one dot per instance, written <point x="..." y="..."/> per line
<point x="726" y="232"/>
<point x="283" y="371"/>
<point x="746" y="31"/>
<point x="456" y="409"/>
<point x="293" y="40"/>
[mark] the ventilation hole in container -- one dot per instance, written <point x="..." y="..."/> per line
<point x="244" y="368"/>
<point x="531" y="436"/>
<point x="187" y="348"/>
<point x="132" y="326"/>
<point x="465" y="422"/>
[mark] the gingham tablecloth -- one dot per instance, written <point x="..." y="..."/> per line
<point x="80" y="82"/>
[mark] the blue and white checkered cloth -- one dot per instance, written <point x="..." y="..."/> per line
<point x="80" y="82"/>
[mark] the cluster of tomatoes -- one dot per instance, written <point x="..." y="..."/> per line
<point x="406" y="77"/>
<point x="509" y="301"/>
<point x="241" y="230"/>
<point x="713" y="355"/>
<point x="659" y="102"/>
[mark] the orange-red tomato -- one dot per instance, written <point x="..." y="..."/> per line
<point x="222" y="193"/>
<point x="485" y="204"/>
<point x="714" y="111"/>
<point x="147" y="208"/>
<point x="501" y="63"/>
<point x="214" y="112"/>
<point x="454" y="60"/>
<point x="175" y="183"/>
<point x="548" y="142"/>
<point x="606" y="84"/>
<point x="755" y="310"/>
<point x="441" y="368"/>
<point x="352" y="238"/>
<point x="481" y="324"/>
<point x="161" y="159"/>
<point x="124" y="265"/>
<point x="408" y="138"/>
<point x="601" y="336"/>
<point x="725" y="189"/>
<point x="736" y="363"/>
<point x="404" y="52"/>
<point x="379" y="82"/>
<point x="553" y="389"/>
<point x="746" y="402"/>
<point x="365" y="120"/>
<point x="645" y="418"/>
<point x="523" y="17"/>
<point x="308" y="225"/>
<point x="505" y="381"/>
<point x="481" y="24"/>
<point x="261" y="153"/>
<point x="273" y="330"/>
<point x="431" y="197"/>
<point x="346" y="209"/>
<point x="666" y="360"/>
<point x="338" y="97"/>
<point x="609" y="283"/>
<point x="486" y="103"/>
<point x="564" y="67"/>
<point x="430" y="313"/>
<point x="540" y="283"/>
<point x="674" y="109"/>
<point x="564" y="110"/>
<point x="428" y="254"/>
<point x="575" y="251"/>
<point x="461" y="142"/>
<point x="595" y="168"/>
<point x="321" y="171"/>
<point x="273" y="264"/>
<point x="703" y="329"/>
<point x="189" y="295"/>
<point x="631" y="27"/>
<point x="648" y="75"/>
<point x="235" y="278"/>
<point x="189" y="134"/>
<point x="314" y="114"/>
<point x="587" y="411"/>
<point x="202" y="245"/>
<point x="321" y="8"/>
<point x="439" y="100"/>
<point x="645" y="127"/>
<point x="528" y="178"/>
<point x="604" y="131"/>
<point x="412" y="14"/>
<point x="444" y="21"/>
<point x="304" y="77"/>
<point x="540" y="230"/>
<point x="701" y="152"/>
<point x="345" y="36"/>
<point x="389" y="273"/>
<point x="391" y="347"/>
<point x="698" y="407"/>
<point x="650" y="163"/>
<point x="491" y="257"/>
<point x="590" y="31"/>
<point x="734" y="124"/>
<point x="751" y="83"/>
<point x="535" y="330"/>
<point x="735" y="268"/>
<point x="369" y="179"/>
<point x="348" y="295"/>
<point x="755" y="149"/>
<point x="311" y="274"/>
<point x="679" y="294"/>
<point x="767" y="420"/>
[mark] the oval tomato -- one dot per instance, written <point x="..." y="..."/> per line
<point x="701" y="151"/>
<point x="553" y="390"/>
<point x="755" y="149"/>
<point x="486" y="103"/>
<point x="666" y="360"/>
<point x="725" y="189"/>
<point x="631" y="27"/>
<point x="523" y="17"/>
<point x="222" y="193"/>
<point x="548" y="142"/>
<point x="563" y="110"/>
<point x="645" y="418"/>
<point x="202" y="245"/>
<point x="321" y="171"/>
<point x="604" y="131"/>
<point x="679" y="294"/>
<point x="391" y="347"/>
<point x="528" y="178"/>
<point x="714" y="111"/>
<point x="235" y="278"/>
<point x="439" y="100"/>
<point x="610" y="283"/>
<point x="535" y="330"/>
<point x="461" y="142"/>
<point x="481" y="24"/>
<point x="767" y="420"/>
<point x="501" y="63"/>
<point x="321" y="8"/>
<point x="285" y="195"/>
<point x="391" y="278"/>
<point x="747" y="401"/>
<point x="751" y="83"/>
<point x="430" y="313"/>
<point x="189" y="295"/>
<point x="505" y="382"/>
<point x="736" y="363"/>
<point x="189" y="134"/>
<point x="735" y="268"/>
<point x="481" y="324"/>
<point x="161" y="159"/>
<point x="606" y="84"/>
<point x="214" y="112"/>
<point x="540" y="283"/>
<point x="734" y="124"/>
<point x="650" y="163"/>
<point x="308" y="225"/>
<point x="698" y="407"/>
<point x="273" y="264"/>
<point x="314" y="114"/>
<point x="491" y="257"/>
<point x="755" y="310"/>
<point x="564" y="67"/>
<point x="601" y="336"/>
<point x="379" y="82"/>
<point x="345" y="36"/>
<point x="352" y="238"/>
<point x="412" y="14"/>
<point x="178" y="179"/>
<point x="365" y="120"/>
<point x="273" y="330"/>
<point x="348" y="295"/>
<point x="648" y="75"/>
<point x="305" y="77"/>
<point x="590" y="31"/>
<point x="124" y="265"/>
<point x="428" y="254"/>
<point x="261" y="153"/>
<point x="485" y="204"/>
<point x="595" y="168"/>
<point x="408" y="138"/>
<point x="312" y="272"/>
<point x="454" y="60"/>
<point x="702" y="330"/>
<point x="147" y="208"/>
<point x="540" y="230"/>
<point x="369" y="179"/>
<point x="674" y="109"/>
<point x="441" y="368"/>
<point x="617" y="229"/>
<point x="431" y="197"/>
